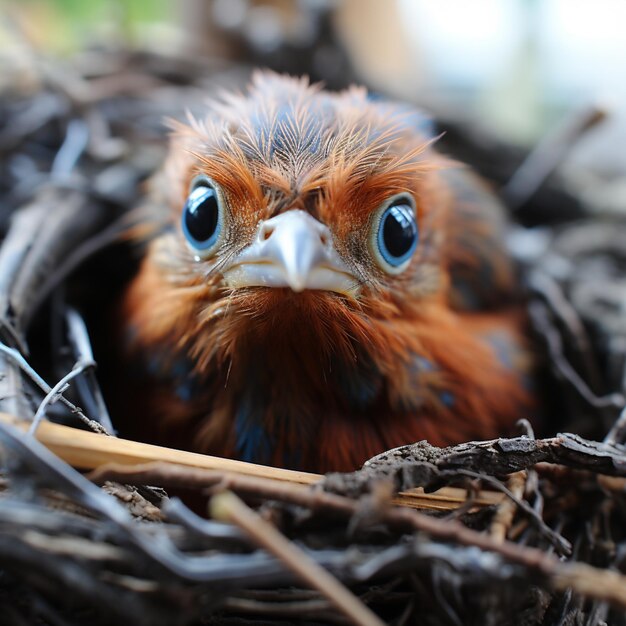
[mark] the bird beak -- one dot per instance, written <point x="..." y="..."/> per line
<point x="292" y="250"/>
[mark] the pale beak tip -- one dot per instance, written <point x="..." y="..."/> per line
<point x="297" y="283"/>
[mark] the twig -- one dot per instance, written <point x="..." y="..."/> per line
<point x="608" y="586"/>
<point x="55" y="393"/>
<point x="76" y="140"/>
<point x="79" y="339"/>
<point x="544" y="285"/>
<point x="531" y="487"/>
<point x="574" y="477"/>
<point x="228" y="507"/>
<point x="591" y="582"/>
<point x="244" y="480"/>
<point x="79" y="254"/>
<point x="112" y="456"/>
<point x="503" y="519"/>
<point x="604" y="585"/>
<point x="44" y="386"/>
<point x="584" y="579"/>
<point x="539" y="316"/>
<point x="545" y="158"/>
<point x="429" y="466"/>
<point x="617" y="432"/>
<point x="558" y="541"/>
<point x="319" y="608"/>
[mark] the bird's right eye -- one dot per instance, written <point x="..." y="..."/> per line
<point x="202" y="218"/>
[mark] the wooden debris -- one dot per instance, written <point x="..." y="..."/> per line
<point x="111" y="456"/>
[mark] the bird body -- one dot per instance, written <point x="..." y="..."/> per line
<point x="323" y="286"/>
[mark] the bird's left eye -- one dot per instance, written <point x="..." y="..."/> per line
<point x="202" y="218"/>
<point x="395" y="234"/>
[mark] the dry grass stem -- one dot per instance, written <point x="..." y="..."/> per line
<point x="228" y="507"/>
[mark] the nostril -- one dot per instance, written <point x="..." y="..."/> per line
<point x="266" y="232"/>
<point x="324" y="239"/>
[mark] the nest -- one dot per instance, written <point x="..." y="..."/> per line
<point x="523" y="530"/>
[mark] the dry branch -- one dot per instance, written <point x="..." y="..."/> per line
<point x="503" y="519"/>
<point x="426" y="465"/>
<point x="226" y="506"/>
<point x="87" y="450"/>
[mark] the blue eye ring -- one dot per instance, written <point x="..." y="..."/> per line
<point x="395" y="234"/>
<point x="203" y="216"/>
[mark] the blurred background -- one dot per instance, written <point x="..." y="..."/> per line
<point x="515" y="67"/>
<point x="512" y="70"/>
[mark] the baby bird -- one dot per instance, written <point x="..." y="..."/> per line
<point x="323" y="286"/>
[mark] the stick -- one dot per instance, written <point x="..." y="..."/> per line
<point x="228" y="507"/>
<point x="90" y="451"/>
<point x="503" y="519"/>
<point x="545" y="158"/>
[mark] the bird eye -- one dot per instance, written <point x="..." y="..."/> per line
<point x="395" y="234"/>
<point x="203" y="218"/>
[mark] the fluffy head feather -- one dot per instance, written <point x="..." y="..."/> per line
<point x="317" y="379"/>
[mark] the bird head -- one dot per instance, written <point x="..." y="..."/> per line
<point x="291" y="204"/>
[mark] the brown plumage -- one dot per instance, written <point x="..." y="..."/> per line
<point x="324" y="369"/>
